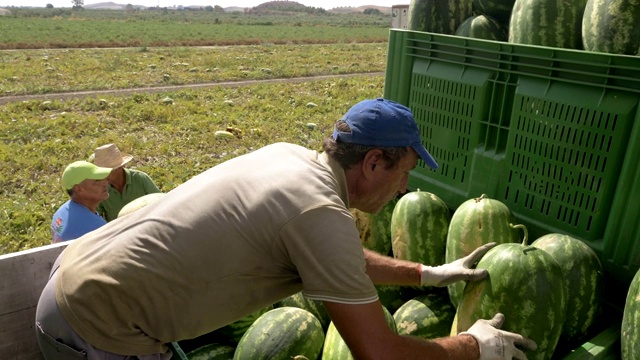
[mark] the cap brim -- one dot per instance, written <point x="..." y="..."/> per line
<point x="424" y="155"/>
<point x="100" y="173"/>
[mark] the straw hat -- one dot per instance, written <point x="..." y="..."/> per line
<point x="110" y="156"/>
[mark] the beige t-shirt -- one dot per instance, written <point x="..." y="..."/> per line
<point x="230" y="241"/>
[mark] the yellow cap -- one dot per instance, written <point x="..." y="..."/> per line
<point x="80" y="171"/>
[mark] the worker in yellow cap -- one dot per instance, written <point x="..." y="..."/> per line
<point x="87" y="187"/>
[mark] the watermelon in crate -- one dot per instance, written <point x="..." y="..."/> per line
<point x="315" y="307"/>
<point x="496" y="9"/>
<point x="583" y="282"/>
<point x="419" y="226"/>
<point x="551" y="23"/>
<point x="438" y="16"/>
<point x="375" y="229"/>
<point x="612" y="26"/>
<point x="630" y="328"/>
<point x="213" y="351"/>
<point x="474" y="223"/>
<point x="336" y="349"/>
<point x="428" y="316"/>
<point x="483" y="27"/>
<point x="524" y="283"/>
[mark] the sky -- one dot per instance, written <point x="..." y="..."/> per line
<point x="326" y="4"/>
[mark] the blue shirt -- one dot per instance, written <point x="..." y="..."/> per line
<point x="73" y="220"/>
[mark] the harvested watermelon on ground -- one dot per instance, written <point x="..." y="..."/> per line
<point x="583" y="281"/>
<point x="282" y="334"/>
<point x="375" y="229"/>
<point x="474" y="223"/>
<point x="526" y="284"/>
<point x="612" y="26"/>
<point x="483" y="27"/>
<point x="438" y="16"/>
<point x="334" y="346"/>
<point x="630" y="329"/>
<point x="551" y="23"/>
<point x="419" y="226"/>
<point x="428" y="316"/>
<point x="313" y="306"/>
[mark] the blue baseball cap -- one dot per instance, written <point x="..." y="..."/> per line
<point x="383" y="123"/>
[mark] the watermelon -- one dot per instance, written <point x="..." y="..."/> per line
<point x="393" y="296"/>
<point x="611" y="26"/>
<point x="427" y="316"/>
<point x="334" y="346"/>
<point x="474" y="223"/>
<point x="139" y="203"/>
<point x="583" y="281"/>
<point x="482" y="27"/>
<point x="212" y="352"/>
<point x="315" y="307"/>
<point x="233" y="332"/>
<point x="375" y="229"/>
<point x="553" y="23"/>
<point x="281" y="334"/>
<point x="500" y="10"/>
<point x="438" y="16"/>
<point x="630" y="328"/>
<point x="526" y="284"/>
<point x="419" y="226"/>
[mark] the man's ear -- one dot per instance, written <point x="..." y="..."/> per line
<point x="372" y="161"/>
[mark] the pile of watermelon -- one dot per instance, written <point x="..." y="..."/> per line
<point x="609" y="26"/>
<point x="550" y="290"/>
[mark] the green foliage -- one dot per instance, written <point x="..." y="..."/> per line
<point x="170" y="142"/>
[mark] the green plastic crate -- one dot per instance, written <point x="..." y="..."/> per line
<point x="552" y="133"/>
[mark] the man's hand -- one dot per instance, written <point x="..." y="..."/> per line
<point x="457" y="270"/>
<point x="496" y="344"/>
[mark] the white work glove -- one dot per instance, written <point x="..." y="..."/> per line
<point x="457" y="270"/>
<point x="496" y="344"/>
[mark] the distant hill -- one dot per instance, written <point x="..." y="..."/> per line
<point x="359" y="9"/>
<point x="338" y="10"/>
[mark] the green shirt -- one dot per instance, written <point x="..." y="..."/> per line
<point x="137" y="184"/>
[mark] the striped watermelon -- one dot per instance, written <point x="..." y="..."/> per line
<point x="212" y="352"/>
<point x="428" y="316"/>
<point x="438" y="16"/>
<point x="482" y="27"/>
<point x="375" y="229"/>
<point x="282" y="334"/>
<point x="393" y="296"/>
<point x="234" y="331"/>
<point x="612" y="26"/>
<point x="419" y="226"/>
<point x="496" y="9"/>
<point x="477" y="222"/>
<point x="336" y="349"/>
<point x="553" y="23"/>
<point x="526" y="284"/>
<point x="630" y="329"/>
<point x="315" y="307"/>
<point x="583" y="280"/>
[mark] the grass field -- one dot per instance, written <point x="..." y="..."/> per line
<point x="57" y="28"/>
<point x="169" y="133"/>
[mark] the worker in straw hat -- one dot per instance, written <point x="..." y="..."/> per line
<point x="87" y="187"/>
<point x="125" y="185"/>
